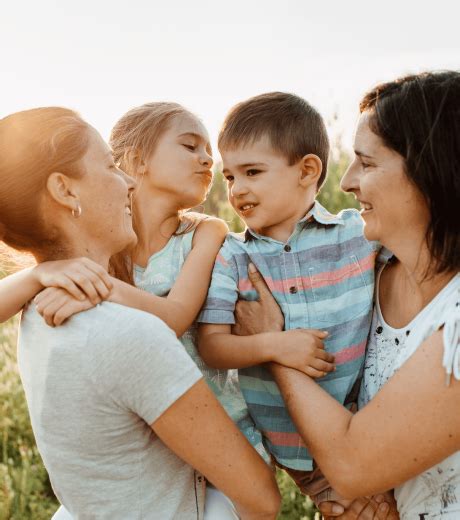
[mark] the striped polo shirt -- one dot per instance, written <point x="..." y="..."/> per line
<point x="322" y="278"/>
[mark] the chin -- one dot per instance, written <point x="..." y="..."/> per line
<point x="370" y="233"/>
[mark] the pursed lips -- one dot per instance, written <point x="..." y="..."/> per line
<point x="206" y="173"/>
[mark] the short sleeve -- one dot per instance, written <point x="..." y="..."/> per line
<point x="451" y="340"/>
<point x="220" y="303"/>
<point x="142" y="366"/>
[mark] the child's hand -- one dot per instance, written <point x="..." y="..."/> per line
<point x="80" y="277"/>
<point x="56" y="305"/>
<point x="303" y="350"/>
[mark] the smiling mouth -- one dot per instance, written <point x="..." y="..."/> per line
<point x="365" y="207"/>
<point x="245" y="209"/>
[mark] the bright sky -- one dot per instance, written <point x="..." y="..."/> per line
<point x="104" y="57"/>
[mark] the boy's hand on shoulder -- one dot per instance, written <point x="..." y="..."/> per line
<point x="303" y="349"/>
<point x="57" y="305"/>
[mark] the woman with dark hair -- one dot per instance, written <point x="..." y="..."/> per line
<point x="406" y="175"/>
<point x="120" y="412"/>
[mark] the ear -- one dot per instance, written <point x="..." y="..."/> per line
<point x="134" y="159"/>
<point x="61" y="189"/>
<point x="310" y="169"/>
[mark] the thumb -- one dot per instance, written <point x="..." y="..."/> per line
<point x="258" y="282"/>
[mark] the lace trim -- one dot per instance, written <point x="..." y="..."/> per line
<point x="451" y="338"/>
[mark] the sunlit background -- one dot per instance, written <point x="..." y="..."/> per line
<point x="103" y="57"/>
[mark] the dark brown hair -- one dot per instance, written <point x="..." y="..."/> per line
<point x="293" y="126"/>
<point x="418" y="116"/>
<point x="33" y="144"/>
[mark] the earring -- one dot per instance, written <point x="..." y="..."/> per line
<point x="76" y="212"/>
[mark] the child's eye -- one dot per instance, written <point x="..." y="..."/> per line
<point x="229" y="178"/>
<point x="191" y="147"/>
<point x="251" y="173"/>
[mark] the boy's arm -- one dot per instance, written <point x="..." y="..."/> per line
<point x="299" y="348"/>
<point x="219" y="348"/>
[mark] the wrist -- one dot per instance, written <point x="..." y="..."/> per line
<point x="115" y="293"/>
<point x="33" y="274"/>
<point x="270" y="342"/>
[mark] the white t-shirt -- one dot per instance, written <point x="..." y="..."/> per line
<point x="436" y="492"/>
<point x="93" y="387"/>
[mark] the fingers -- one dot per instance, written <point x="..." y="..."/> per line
<point x="312" y="372"/>
<point x="322" y="366"/>
<point x="258" y="282"/>
<point x="331" y="509"/>
<point x="325" y="356"/>
<point x="50" y="304"/>
<point x="70" y="308"/>
<point x="102" y="274"/>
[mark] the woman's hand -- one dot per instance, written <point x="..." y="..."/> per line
<point x="57" y="305"/>
<point x="263" y="315"/>
<point x="377" y="507"/>
<point x="80" y="277"/>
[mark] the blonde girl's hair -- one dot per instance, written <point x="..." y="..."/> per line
<point x="133" y="139"/>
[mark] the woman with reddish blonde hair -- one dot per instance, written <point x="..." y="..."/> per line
<point x="119" y="411"/>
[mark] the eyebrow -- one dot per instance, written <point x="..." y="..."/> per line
<point x="245" y="165"/>
<point x="361" y="154"/>
<point x="191" y="134"/>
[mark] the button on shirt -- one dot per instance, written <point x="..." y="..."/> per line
<point x="322" y="278"/>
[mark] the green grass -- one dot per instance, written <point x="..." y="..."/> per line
<point x="25" y="491"/>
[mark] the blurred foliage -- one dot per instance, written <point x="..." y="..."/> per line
<point x="25" y="491"/>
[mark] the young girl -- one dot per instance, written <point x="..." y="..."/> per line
<point x="166" y="149"/>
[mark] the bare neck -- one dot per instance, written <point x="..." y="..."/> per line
<point x="156" y="218"/>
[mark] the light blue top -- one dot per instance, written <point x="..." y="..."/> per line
<point x="158" y="277"/>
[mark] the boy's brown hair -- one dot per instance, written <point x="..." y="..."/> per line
<point x="293" y="126"/>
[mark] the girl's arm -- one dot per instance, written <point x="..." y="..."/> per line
<point x="218" y="450"/>
<point x="409" y="426"/>
<point x="80" y="277"/>
<point x="180" y="308"/>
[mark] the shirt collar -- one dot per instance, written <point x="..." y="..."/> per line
<point x="317" y="213"/>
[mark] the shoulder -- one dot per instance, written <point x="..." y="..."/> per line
<point x="110" y="324"/>
<point x="441" y="320"/>
<point x="212" y="226"/>
<point x="210" y="232"/>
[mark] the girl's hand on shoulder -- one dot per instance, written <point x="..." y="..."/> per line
<point x="81" y="277"/>
<point x="56" y="305"/>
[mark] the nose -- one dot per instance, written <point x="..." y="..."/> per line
<point x="350" y="180"/>
<point x="130" y="181"/>
<point x="206" y="159"/>
<point x="238" y="188"/>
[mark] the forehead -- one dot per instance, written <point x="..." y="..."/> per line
<point x="257" y="151"/>
<point x="187" y="124"/>
<point x="366" y="141"/>
<point x="97" y="147"/>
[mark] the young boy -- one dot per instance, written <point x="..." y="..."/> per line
<point x="318" y="266"/>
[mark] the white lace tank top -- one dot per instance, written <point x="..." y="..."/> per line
<point x="434" y="494"/>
